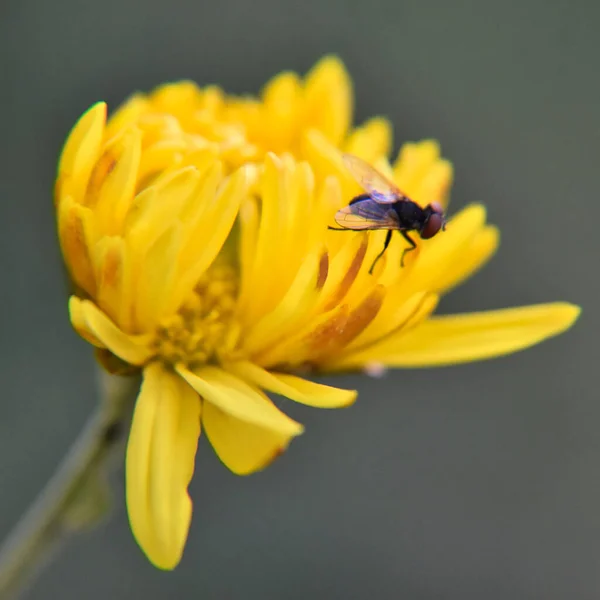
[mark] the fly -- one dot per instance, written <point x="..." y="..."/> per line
<point x="384" y="206"/>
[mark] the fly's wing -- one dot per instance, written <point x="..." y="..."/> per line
<point x="367" y="214"/>
<point x="380" y="188"/>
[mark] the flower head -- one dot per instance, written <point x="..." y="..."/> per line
<point x="195" y="229"/>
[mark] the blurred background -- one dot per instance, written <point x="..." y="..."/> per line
<point x="471" y="482"/>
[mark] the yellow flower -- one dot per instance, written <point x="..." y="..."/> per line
<point x="195" y="229"/>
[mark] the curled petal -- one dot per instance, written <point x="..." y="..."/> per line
<point x="160" y="463"/>
<point x="239" y="399"/>
<point x="86" y="316"/>
<point x="77" y="315"/>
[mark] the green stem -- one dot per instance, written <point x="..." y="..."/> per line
<point x="50" y="518"/>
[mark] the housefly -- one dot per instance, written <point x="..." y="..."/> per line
<point x="384" y="206"/>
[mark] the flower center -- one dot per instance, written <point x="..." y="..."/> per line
<point x="204" y="328"/>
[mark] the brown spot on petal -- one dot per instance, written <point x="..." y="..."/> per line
<point x="278" y="452"/>
<point x="271" y="458"/>
<point x="323" y="270"/>
<point x="423" y="308"/>
<point x="363" y="314"/>
<point x="104" y="166"/>
<point x="354" y="323"/>
<point x="111" y="281"/>
<point x="111" y="271"/>
<point x="74" y="246"/>
<point x="324" y="335"/>
<point x="350" y="275"/>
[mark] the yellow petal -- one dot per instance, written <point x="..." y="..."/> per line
<point x="77" y="235"/>
<point x="115" y="191"/>
<point x="286" y="316"/>
<point x="328" y="200"/>
<point x="295" y="388"/>
<point x="420" y="164"/>
<point x="281" y="90"/>
<point x="326" y="160"/>
<point x="159" y="158"/>
<point x="127" y="114"/>
<point x="296" y="207"/>
<point x="372" y="140"/>
<point x="113" y="277"/>
<point x="272" y="189"/>
<point x="210" y="177"/>
<point x="243" y="447"/>
<point x="248" y="220"/>
<point x="329" y="99"/>
<point x="298" y="347"/>
<point x="343" y="270"/>
<point x="80" y="153"/>
<point x="456" y="339"/>
<point x="286" y="192"/>
<point x="435" y="184"/>
<point x="239" y="399"/>
<point x="160" y="463"/>
<point x="158" y="128"/>
<point x="154" y="211"/>
<point x="156" y="207"/>
<point x="479" y="251"/>
<point x="133" y="349"/>
<point x="77" y="316"/>
<point x="318" y="336"/>
<point x="329" y="341"/>
<point x="395" y="313"/>
<point x="156" y="278"/>
<point x="440" y="257"/>
<point x="281" y="97"/>
<point x="205" y="242"/>
<point x="176" y="97"/>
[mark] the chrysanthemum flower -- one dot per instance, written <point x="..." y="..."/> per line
<point x="194" y="226"/>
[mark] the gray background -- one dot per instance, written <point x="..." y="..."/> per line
<point x="480" y="481"/>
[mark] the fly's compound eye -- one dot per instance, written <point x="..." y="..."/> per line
<point x="433" y="225"/>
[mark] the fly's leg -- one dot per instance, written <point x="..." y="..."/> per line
<point x="388" y="237"/>
<point x="412" y="246"/>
